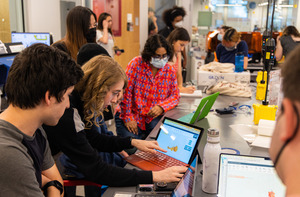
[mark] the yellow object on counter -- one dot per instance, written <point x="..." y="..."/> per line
<point x="266" y="112"/>
<point x="261" y="88"/>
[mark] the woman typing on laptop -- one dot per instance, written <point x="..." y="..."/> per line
<point x="103" y="84"/>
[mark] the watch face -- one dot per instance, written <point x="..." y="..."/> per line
<point x="162" y="184"/>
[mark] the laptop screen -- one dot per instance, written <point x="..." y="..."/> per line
<point x="30" y="38"/>
<point x="179" y="139"/>
<point x="7" y="59"/>
<point x="248" y="176"/>
<point x="186" y="185"/>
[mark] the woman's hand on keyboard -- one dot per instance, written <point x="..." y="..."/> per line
<point x="146" y="146"/>
<point x="172" y="174"/>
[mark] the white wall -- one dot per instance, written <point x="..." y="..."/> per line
<point x="44" y="16"/>
<point x="187" y="20"/>
<point x="143" y="22"/>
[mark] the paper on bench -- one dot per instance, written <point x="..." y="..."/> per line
<point x="197" y="93"/>
<point x="262" y="141"/>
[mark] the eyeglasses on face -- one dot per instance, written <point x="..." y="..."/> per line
<point x="161" y="57"/>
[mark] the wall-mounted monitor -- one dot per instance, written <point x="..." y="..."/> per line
<point x="29" y="38"/>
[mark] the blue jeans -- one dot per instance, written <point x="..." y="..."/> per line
<point x="142" y="134"/>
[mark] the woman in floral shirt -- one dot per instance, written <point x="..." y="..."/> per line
<point x="152" y="89"/>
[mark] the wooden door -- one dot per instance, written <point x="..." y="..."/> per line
<point x="5" y="35"/>
<point x="129" y="40"/>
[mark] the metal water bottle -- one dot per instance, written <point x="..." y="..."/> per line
<point x="211" y="155"/>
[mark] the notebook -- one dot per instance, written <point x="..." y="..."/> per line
<point x="202" y="110"/>
<point x="185" y="187"/>
<point x="248" y="176"/>
<point x="180" y="139"/>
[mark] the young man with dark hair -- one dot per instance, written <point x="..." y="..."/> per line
<point x="38" y="87"/>
<point x="285" y="145"/>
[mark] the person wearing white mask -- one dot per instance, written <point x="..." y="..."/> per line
<point x="172" y="18"/>
<point x="231" y="45"/>
<point x="152" y="90"/>
<point x="222" y="32"/>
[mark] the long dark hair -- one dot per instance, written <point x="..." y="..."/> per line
<point x="101" y="18"/>
<point x="78" y="25"/>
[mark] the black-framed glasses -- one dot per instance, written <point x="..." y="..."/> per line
<point x="161" y="57"/>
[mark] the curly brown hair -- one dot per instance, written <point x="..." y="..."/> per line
<point x="100" y="74"/>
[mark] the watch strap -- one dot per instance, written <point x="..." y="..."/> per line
<point x="54" y="183"/>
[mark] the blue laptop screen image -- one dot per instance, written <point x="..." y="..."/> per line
<point x="248" y="176"/>
<point x="178" y="139"/>
<point x="7" y="59"/>
<point x="30" y="38"/>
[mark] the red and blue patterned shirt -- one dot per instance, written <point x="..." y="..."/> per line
<point x="145" y="91"/>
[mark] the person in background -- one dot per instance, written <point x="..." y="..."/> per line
<point x="231" y="44"/>
<point x="179" y="38"/>
<point x="173" y="18"/>
<point x="38" y="86"/>
<point x="285" y="144"/>
<point x="77" y="132"/>
<point x="287" y="42"/>
<point x="105" y="35"/>
<point x="152" y="25"/>
<point x="222" y="32"/>
<point x="152" y="90"/>
<point x="81" y="29"/>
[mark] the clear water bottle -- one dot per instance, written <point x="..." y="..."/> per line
<point x="239" y="62"/>
<point x="211" y="155"/>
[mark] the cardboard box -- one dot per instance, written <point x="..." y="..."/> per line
<point x="206" y="78"/>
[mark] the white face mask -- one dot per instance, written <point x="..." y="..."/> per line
<point x="179" y="24"/>
<point x="158" y="63"/>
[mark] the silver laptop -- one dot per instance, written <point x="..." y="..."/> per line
<point x="185" y="187"/>
<point x="248" y="176"/>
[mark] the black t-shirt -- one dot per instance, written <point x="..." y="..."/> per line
<point x="36" y="149"/>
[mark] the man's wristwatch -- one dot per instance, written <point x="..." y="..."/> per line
<point x="54" y="183"/>
<point x="130" y="139"/>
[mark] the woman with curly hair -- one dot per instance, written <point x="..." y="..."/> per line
<point x="152" y="89"/>
<point x="77" y="133"/>
<point x="172" y="18"/>
<point x="81" y="29"/>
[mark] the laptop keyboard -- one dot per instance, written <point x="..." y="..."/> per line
<point x="160" y="159"/>
<point x="148" y="195"/>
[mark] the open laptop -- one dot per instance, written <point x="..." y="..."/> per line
<point x="202" y="110"/>
<point x="180" y="139"/>
<point x="248" y="176"/>
<point x="29" y="38"/>
<point x="185" y="187"/>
